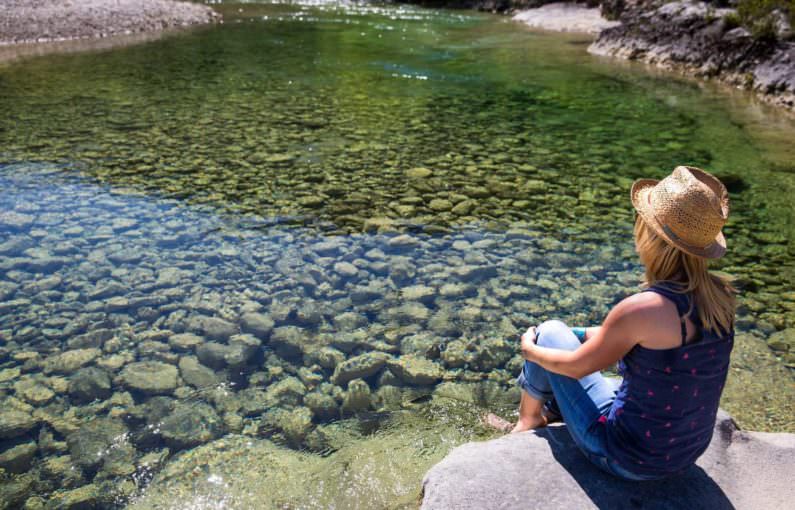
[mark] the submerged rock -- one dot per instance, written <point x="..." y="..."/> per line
<point x="288" y="341"/>
<point x="358" y="398"/>
<point x="359" y="367"/>
<point x="89" y="384"/>
<point x="151" y="377"/>
<point x="184" y="342"/>
<point x="323" y="406"/>
<point x="191" y="424"/>
<point x="211" y="327"/>
<point x="33" y="392"/>
<point x="69" y="361"/>
<point x="90" y="444"/>
<point x="416" y="370"/>
<point x="85" y="497"/>
<point x="739" y="470"/>
<point x="295" y="424"/>
<point x="18" y="458"/>
<point x="15" y="423"/>
<point x="258" y="324"/>
<point x="196" y="374"/>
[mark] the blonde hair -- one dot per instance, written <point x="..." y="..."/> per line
<point x="713" y="295"/>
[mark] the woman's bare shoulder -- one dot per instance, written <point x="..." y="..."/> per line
<point x="650" y="318"/>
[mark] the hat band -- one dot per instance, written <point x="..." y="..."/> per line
<point x="670" y="233"/>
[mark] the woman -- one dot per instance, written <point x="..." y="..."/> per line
<point x="672" y="343"/>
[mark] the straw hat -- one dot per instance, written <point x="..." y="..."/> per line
<point x="688" y="209"/>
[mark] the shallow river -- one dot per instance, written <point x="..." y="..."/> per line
<point x="284" y="261"/>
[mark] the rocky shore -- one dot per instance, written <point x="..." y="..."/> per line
<point x="700" y="40"/>
<point x="34" y="21"/>
<point x="691" y="37"/>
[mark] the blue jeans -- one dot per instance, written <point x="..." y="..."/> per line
<point x="581" y="402"/>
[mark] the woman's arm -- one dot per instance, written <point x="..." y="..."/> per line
<point x="621" y="330"/>
<point x="592" y="331"/>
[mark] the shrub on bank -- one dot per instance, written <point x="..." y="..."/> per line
<point x="761" y="17"/>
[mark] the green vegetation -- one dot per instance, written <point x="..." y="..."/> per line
<point x="756" y="15"/>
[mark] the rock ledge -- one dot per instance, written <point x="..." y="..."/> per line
<point x="544" y="469"/>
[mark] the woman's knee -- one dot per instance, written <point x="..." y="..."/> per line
<point x="554" y="333"/>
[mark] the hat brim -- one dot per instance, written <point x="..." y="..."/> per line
<point x="640" y="196"/>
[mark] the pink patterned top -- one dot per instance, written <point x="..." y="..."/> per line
<point x="662" y="418"/>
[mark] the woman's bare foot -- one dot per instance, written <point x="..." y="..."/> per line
<point x="523" y="424"/>
<point x="529" y="423"/>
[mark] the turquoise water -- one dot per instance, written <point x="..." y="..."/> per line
<point x="245" y="256"/>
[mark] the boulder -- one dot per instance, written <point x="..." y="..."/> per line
<point x="739" y="470"/>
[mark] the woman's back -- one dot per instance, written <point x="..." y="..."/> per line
<point x="664" y="412"/>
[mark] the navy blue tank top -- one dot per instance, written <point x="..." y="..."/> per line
<point x="662" y="418"/>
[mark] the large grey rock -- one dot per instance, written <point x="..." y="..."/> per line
<point x="545" y="469"/>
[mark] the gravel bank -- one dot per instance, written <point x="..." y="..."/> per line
<point x="26" y="21"/>
<point x="565" y="17"/>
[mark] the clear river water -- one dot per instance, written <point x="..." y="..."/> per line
<point x="284" y="262"/>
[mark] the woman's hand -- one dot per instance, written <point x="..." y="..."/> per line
<point x="528" y="344"/>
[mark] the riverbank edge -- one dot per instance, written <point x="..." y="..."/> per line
<point x="51" y="21"/>
<point x="694" y="39"/>
<point x="688" y="38"/>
